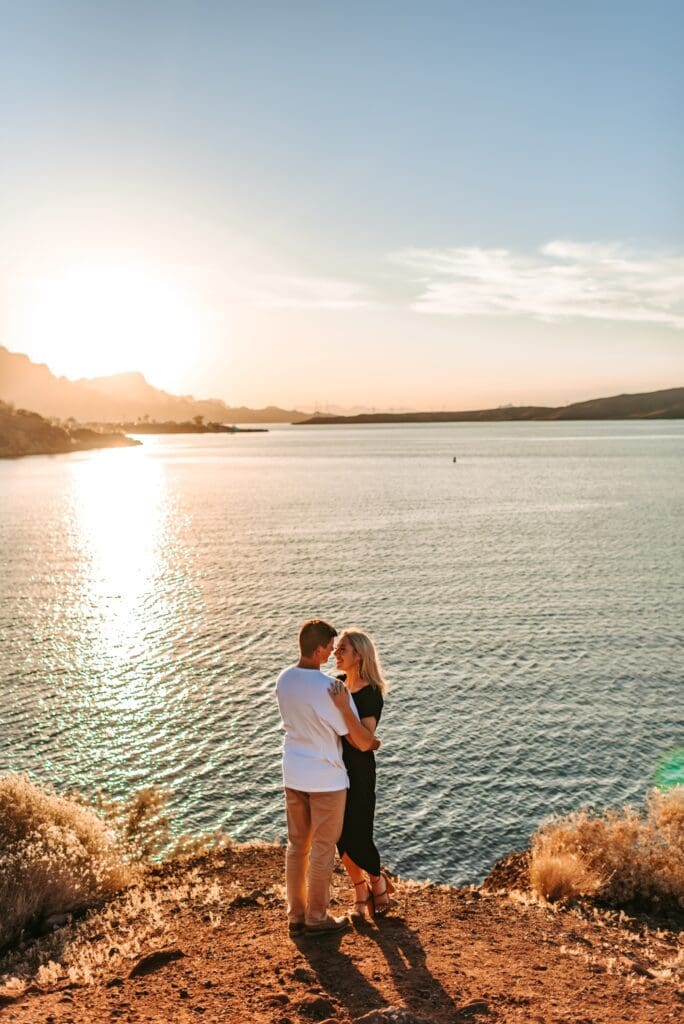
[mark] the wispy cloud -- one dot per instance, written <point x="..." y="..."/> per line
<point x="294" y="291"/>
<point x="561" y="280"/>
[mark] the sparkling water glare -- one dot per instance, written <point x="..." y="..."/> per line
<point x="527" y="602"/>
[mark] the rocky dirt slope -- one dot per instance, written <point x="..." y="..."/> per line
<point x="212" y="946"/>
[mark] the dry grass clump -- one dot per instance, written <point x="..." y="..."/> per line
<point x="141" y="821"/>
<point x="561" y="876"/>
<point x="56" y="856"/>
<point x="109" y="939"/>
<point x="142" y="824"/>
<point x="621" y="856"/>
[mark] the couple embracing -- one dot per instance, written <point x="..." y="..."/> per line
<point x="329" y="775"/>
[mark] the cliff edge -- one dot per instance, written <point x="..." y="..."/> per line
<point x="207" y="940"/>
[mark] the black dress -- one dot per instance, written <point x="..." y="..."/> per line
<point x="357" y="831"/>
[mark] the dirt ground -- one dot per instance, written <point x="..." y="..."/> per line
<point x="456" y="955"/>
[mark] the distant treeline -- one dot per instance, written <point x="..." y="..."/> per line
<point x="194" y="426"/>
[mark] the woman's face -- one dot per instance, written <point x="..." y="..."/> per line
<point x="346" y="657"/>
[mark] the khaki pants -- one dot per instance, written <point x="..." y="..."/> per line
<point x="314" y="824"/>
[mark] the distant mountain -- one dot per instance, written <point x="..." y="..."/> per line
<point x="120" y="398"/>
<point x="649" y="405"/>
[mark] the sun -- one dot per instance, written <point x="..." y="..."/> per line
<point x="91" y="321"/>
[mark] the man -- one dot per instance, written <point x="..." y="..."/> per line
<point x="315" y="779"/>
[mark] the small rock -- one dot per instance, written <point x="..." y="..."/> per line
<point x="304" y="975"/>
<point x="316" y="1008"/>
<point x="478" y="1008"/>
<point x="638" y="967"/>
<point x="184" y="994"/>
<point x="208" y="984"/>
<point x="114" y="983"/>
<point x="153" y="961"/>
<point x="391" y="1015"/>
<point x="279" y="999"/>
<point x="257" y="898"/>
<point x="56" y="920"/>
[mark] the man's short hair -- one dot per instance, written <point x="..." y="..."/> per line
<point x="315" y="633"/>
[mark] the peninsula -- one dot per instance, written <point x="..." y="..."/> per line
<point x="195" y="426"/>
<point x="668" y="404"/>
<point x="27" y="433"/>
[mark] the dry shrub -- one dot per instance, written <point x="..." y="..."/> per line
<point x="142" y="825"/>
<point x="140" y="821"/>
<point x="561" y="876"/>
<point x="56" y="856"/>
<point x="621" y="856"/>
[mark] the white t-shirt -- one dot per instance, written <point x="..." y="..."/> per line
<point x="312" y="751"/>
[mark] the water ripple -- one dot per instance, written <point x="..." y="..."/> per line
<point x="527" y="602"/>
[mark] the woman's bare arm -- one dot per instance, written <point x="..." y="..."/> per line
<point x="361" y="734"/>
<point x="370" y="724"/>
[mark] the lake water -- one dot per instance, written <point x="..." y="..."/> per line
<point x="527" y="602"/>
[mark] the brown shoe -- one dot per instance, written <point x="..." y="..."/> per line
<point x="296" y="928"/>
<point x="328" y="924"/>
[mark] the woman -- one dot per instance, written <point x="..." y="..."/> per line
<point x="362" y="681"/>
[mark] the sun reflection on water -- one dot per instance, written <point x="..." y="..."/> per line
<point x="121" y="523"/>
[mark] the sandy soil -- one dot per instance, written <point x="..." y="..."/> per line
<point x="444" y="955"/>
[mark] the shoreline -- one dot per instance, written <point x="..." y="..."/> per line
<point x="206" y="938"/>
<point x="183" y="428"/>
<point x="103" y="441"/>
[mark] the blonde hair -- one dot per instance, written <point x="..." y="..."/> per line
<point x="369" y="663"/>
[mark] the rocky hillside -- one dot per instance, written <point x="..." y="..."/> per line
<point x="116" y="399"/>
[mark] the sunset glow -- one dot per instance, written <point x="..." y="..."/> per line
<point x="91" y="321"/>
<point x="464" y="223"/>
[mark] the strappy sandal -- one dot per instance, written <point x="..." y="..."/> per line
<point x="383" y="908"/>
<point x="359" y="911"/>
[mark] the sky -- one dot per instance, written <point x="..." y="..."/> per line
<point x="346" y="205"/>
